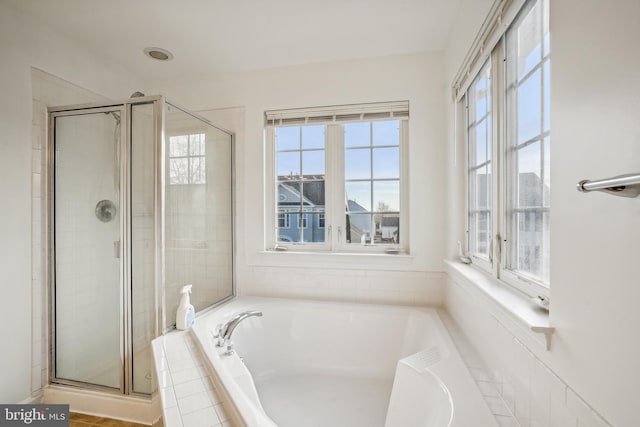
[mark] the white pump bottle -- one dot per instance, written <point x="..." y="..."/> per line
<point x="186" y="315"/>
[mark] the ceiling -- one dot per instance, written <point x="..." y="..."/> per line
<point x="212" y="36"/>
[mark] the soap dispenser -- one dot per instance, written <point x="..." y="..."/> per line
<point x="186" y="315"/>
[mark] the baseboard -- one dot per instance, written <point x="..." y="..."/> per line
<point x="126" y="408"/>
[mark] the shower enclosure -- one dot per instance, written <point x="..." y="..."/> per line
<point x="140" y="204"/>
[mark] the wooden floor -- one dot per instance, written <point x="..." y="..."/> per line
<point x="82" y="420"/>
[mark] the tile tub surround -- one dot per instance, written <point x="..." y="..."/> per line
<point x="187" y="392"/>
<point x="508" y="367"/>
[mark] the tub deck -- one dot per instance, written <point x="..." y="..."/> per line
<point x="286" y="394"/>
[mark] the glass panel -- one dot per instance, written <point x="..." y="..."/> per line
<point x="142" y="245"/>
<point x="288" y="138"/>
<point x="87" y="236"/>
<point x="312" y="233"/>
<point x="386" y="162"/>
<point x="529" y="176"/>
<point x="357" y="164"/>
<point x="481" y="142"/>
<point x="529" y="107"/>
<point x="546" y="80"/>
<point x="312" y="137"/>
<point x="198" y="169"/>
<point x="386" y="196"/>
<point x="529" y="40"/>
<point x="547" y="173"/>
<point x="288" y="164"/>
<point x="386" y="132"/>
<point x="357" y="134"/>
<point x="359" y="228"/>
<point x="198" y="220"/>
<point x="358" y="196"/>
<point x="179" y="171"/>
<point x="313" y="162"/>
<point x="387" y="228"/>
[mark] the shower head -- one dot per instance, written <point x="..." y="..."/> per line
<point x="137" y="94"/>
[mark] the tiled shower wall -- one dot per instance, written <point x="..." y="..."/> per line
<point x="529" y="390"/>
<point x="47" y="90"/>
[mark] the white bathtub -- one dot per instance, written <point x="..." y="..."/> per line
<point x="319" y="364"/>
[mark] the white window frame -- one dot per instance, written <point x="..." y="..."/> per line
<point x="333" y="117"/>
<point x="494" y="44"/>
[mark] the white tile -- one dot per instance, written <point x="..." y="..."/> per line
<point x="214" y="396"/>
<point x="541" y="383"/>
<point x="193" y="403"/>
<point x="579" y="408"/>
<point x="497" y="406"/>
<point x="168" y="397"/>
<point x="189" y="388"/>
<point x="184" y="375"/>
<point x="172" y="417"/>
<point x="205" y="417"/>
<point x="488" y="389"/>
<point x="164" y="379"/>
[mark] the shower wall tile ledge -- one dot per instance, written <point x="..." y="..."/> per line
<point x="187" y="392"/>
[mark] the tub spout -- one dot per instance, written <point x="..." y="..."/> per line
<point x="226" y="330"/>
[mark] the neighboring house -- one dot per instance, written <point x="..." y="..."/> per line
<point x="301" y="213"/>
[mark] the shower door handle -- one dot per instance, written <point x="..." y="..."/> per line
<point x="116" y="248"/>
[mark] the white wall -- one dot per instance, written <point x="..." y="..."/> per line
<point x="417" y="78"/>
<point x="595" y="237"/>
<point x="24" y="43"/>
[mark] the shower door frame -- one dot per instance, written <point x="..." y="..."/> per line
<point x="124" y="107"/>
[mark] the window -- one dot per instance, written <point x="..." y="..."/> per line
<point x="340" y="175"/>
<point x="507" y="124"/>
<point x="187" y="163"/>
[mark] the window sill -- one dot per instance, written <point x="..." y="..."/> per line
<point x="506" y="300"/>
<point x="340" y="260"/>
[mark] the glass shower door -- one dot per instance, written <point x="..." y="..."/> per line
<point x="87" y="233"/>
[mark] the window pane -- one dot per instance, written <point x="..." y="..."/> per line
<point x="481" y="142"/>
<point x="312" y="162"/>
<point x="358" y="196"/>
<point x="288" y="138"/>
<point x="359" y="228"/>
<point x="529" y="176"/>
<point x="357" y="134"/>
<point x="546" y="79"/>
<point x="387" y="228"/>
<point x="386" y="196"/>
<point x="357" y="164"/>
<point x="313" y="233"/>
<point x="481" y="104"/>
<point x="313" y="194"/>
<point x="313" y="137"/>
<point x="386" y="162"/>
<point x="529" y="107"/>
<point x="196" y="145"/>
<point x="529" y="41"/>
<point x="198" y="171"/>
<point x="179" y="146"/>
<point x="386" y="132"/>
<point x="288" y="163"/>
<point x="289" y="194"/>
<point x="178" y="171"/>
<point x="547" y="173"/>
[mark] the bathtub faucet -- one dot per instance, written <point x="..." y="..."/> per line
<point x="225" y="331"/>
